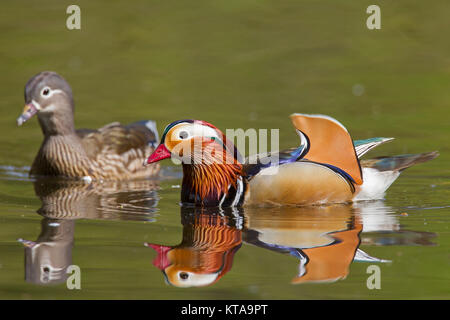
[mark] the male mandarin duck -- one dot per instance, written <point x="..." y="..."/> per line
<point x="113" y="152"/>
<point x="325" y="168"/>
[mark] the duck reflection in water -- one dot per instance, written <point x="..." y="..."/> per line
<point x="63" y="202"/>
<point x="324" y="239"/>
<point x="121" y="200"/>
<point x="47" y="258"/>
<point x="205" y="254"/>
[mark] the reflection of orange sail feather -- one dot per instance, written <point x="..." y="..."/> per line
<point x="331" y="263"/>
<point x="324" y="238"/>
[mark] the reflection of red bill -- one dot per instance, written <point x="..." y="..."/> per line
<point x="161" y="261"/>
<point x="159" y="154"/>
<point x="29" y="110"/>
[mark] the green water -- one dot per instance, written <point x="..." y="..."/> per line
<point x="236" y="64"/>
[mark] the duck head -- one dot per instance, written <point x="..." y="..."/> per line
<point x="211" y="163"/>
<point x="194" y="142"/>
<point x="49" y="96"/>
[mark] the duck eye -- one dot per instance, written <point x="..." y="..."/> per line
<point x="184" y="275"/>
<point x="45" y="92"/>
<point x="183" y="135"/>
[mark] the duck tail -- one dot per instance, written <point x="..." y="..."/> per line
<point x="364" y="146"/>
<point x="379" y="173"/>
<point x="398" y="163"/>
<point x="150" y="129"/>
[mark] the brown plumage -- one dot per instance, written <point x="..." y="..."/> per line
<point x="113" y="152"/>
<point x="211" y="169"/>
<point x="212" y="179"/>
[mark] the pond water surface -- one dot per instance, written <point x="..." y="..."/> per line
<point x="133" y="240"/>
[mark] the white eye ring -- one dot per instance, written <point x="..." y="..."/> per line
<point x="46" y="92"/>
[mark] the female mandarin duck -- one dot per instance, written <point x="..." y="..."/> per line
<point x="114" y="152"/>
<point x="325" y="168"/>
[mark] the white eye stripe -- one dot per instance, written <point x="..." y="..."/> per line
<point x="50" y="93"/>
<point x="186" y="131"/>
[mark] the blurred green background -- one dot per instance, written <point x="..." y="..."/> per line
<point x="236" y="64"/>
